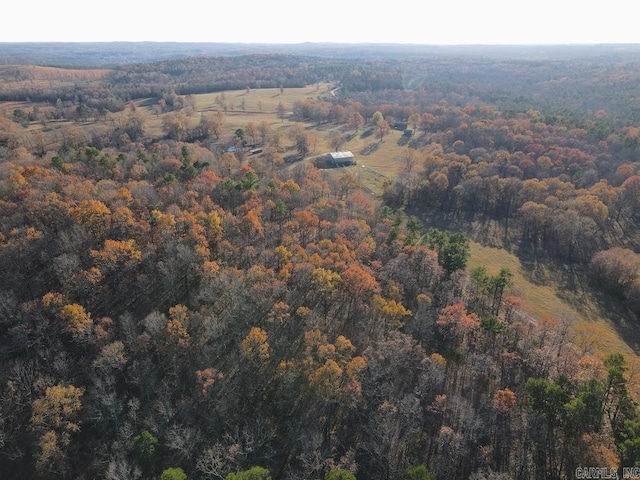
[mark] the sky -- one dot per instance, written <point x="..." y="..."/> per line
<point x="441" y="22"/>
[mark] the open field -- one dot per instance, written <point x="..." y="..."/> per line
<point x="258" y="101"/>
<point x="604" y="329"/>
<point x="242" y="107"/>
<point x="259" y="106"/>
<point x="16" y="76"/>
<point x="378" y="158"/>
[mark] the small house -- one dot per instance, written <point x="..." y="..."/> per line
<point x="341" y="159"/>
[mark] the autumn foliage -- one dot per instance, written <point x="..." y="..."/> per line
<point x="178" y="306"/>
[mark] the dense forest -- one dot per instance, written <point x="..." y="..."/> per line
<point x="188" y="292"/>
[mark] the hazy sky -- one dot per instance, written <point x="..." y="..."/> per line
<point x="291" y="21"/>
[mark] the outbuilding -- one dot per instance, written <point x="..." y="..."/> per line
<point x="341" y="159"/>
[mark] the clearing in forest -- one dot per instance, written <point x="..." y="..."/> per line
<point x="604" y="330"/>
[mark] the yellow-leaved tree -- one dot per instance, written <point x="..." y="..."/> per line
<point x="255" y="346"/>
<point x="54" y="418"/>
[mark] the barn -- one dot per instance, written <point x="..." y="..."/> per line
<point x="341" y="159"/>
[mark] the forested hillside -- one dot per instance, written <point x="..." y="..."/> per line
<point x="188" y="292"/>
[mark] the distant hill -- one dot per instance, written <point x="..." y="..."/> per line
<point x="110" y="54"/>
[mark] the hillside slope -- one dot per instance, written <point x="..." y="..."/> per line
<point x="594" y="324"/>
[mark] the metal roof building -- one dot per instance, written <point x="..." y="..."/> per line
<point x="341" y="159"/>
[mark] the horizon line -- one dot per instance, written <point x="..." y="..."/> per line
<point x="365" y="43"/>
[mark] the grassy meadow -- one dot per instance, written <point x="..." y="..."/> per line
<point x="242" y="107"/>
<point x="592" y="324"/>
<point x="377" y="161"/>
